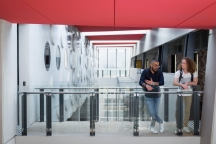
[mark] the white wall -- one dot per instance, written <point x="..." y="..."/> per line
<point x="157" y="37"/>
<point x="8" y="77"/>
<point x="33" y="38"/>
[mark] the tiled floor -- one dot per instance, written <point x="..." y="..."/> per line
<point x="102" y="128"/>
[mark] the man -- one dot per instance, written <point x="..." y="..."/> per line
<point x="185" y="77"/>
<point x="151" y="78"/>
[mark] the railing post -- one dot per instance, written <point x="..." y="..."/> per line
<point x="166" y="106"/>
<point x="97" y="105"/>
<point x="179" y="114"/>
<point x="136" y="115"/>
<point x="24" y="114"/>
<point x="92" y="122"/>
<point x="61" y="105"/>
<point x="48" y="114"/>
<point x="41" y="106"/>
<point x="196" y="112"/>
<point x="130" y="106"/>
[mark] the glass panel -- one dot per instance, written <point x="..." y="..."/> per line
<point x="128" y="58"/>
<point x="113" y="73"/>
<point x="111" y="58"/>
<point x="103" y="58"/>
<point x="121" y="59"/>
<point x="116" y="111"/>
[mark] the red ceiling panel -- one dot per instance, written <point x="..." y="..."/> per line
<point x="76" y="12"/>
<point x="203" y="17"/>
<point x="158" y="13"/>
<point x="17" y="11"/>
<point x="110" y="28"/>
<point x="117" y="37"/>
<point x="128" y="13"/>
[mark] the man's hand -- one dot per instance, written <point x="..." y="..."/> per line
<point x="185" y="86"/>
<point x="149" y="88"/>
<point x="149" y="82"/>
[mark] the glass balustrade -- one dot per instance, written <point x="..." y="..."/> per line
<point x="114" y="106"/>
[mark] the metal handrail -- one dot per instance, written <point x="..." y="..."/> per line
<point x="135" y="92"/>
<point x="101" y="87"/>
<point x="93" y="108"/>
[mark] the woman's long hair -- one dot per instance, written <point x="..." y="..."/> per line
<point x="191" y="65"/>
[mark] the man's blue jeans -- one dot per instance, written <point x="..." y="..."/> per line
<point x="152" y="105"/>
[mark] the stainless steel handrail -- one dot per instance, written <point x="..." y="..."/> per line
<point x="101" y="87"/>
<point x="135" y="92"/>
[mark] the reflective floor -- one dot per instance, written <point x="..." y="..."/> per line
<point x="102" y="128"/>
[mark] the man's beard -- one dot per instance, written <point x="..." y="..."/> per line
<point x="154" y="69"/>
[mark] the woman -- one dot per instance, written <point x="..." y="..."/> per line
<point x="185" y="77"/>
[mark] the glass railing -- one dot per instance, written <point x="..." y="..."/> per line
<point x="113" y="108"/>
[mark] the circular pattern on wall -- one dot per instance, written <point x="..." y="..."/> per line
<point x="69" y="40"/>
<point x="58" y="57"/>
<point x="87" y="50"/>
<point x="66" y="58"/>
<point x="71" y="29"/>
<point x="80" y="60"/>
<point x="74" y="42"/>
<point x="52" y="35"/>
<point x="81" y="47"/>
<point x="73" y="59"/>
<point x="66" y="27"/>
<point x="64" y="37"/>
<point x="47" y="56"/>
<point x="86" y="62"/>
<point x="76" y="76"/>
<point x="83" y="74"/>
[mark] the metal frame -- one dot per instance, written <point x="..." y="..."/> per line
<point x="136" y="114"/>
<point x="164" y="92"/>
<point x="196" y="102"/>
<point x="41" y="106"/>
<point x="48" y="114"/>
<point x="94" y="110"/>
<point x="179" y="113"/>
<point x="92" y="122"/>
<point x="102" y="87"/>
<point x="24" y="114"/>
<point x="61" y="105"/>
<point x="166" y="106"/>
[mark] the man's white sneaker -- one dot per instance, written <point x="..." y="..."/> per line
<point x="153" y="130"/>
<point x="186" y="129"/>
<point x="162" y="127"/>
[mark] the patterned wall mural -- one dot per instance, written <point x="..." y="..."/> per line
<point x="178" y="60"/>
<point x="179" y="56"/>
<point x="202" y="57"/>
<point x="169" y="64"/>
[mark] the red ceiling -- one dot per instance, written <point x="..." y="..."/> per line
<point x="71" y="12"/>
<point x="164" y="13"/>
<point x="109" y="13"/>
<point x="117" y="37"/>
